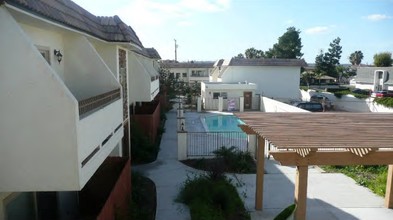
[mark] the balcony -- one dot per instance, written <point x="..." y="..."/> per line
<point x="90" y="104"/>
<point x="58" y="121"/>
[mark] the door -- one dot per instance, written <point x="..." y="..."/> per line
<point x="247" y="100"/>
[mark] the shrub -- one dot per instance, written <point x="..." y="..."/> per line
<point x="143" y="150"/>
<point x="236" y="160"/>
<point x="284" y="214"/>
<point x="386" y="101"/>
<point x="213" y="199"/>
<point x="143" y="198"/>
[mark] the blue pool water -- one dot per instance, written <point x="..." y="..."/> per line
<point x="222" y="123"/>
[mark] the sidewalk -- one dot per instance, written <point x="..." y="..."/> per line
<point x="330" y="195"/>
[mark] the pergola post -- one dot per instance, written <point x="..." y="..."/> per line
<point x="301" y="192"/>
<point x="389" y="188"/>
<point x="260" y="173"/>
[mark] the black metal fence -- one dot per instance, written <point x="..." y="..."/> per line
<point x="202" y="144"/>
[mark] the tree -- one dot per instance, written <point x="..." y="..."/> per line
<point x="240" y="55"/>
<point x="383" y="59"/>
<point x="289" y="45"/>
<point x="252" y="53"/>
<point x="326" y="63"/>
<point x="356" y="57"/>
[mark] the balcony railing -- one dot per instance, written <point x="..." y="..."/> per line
<point x="92" y="103"/>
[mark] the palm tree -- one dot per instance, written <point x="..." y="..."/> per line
<point x="356" y="57"/>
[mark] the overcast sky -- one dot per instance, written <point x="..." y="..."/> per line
<point x="215" y="29"/>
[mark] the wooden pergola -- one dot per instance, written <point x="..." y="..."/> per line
<point x="303" y="139"/>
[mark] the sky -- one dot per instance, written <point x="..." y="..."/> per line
<point x="208" y="30"/>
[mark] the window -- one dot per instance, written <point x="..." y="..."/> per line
<point x="184" y="75"/>
<point x="198" y="73"/>
<point x="224" y="95"/>
<point x="44" y="51"/>
<point x="177" y="75"/>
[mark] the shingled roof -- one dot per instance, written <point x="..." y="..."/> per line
<point x="366" y="74"/>
<point x="192" y="64"/>
<point x="67" y="13"/>
<point x="153" y="53"/>
<point x="266" y="62"/>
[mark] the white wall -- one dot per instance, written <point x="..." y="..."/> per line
<point x="108" y="52"/>
<point x="51" y="39"/>
<point x="37" y="120"/>
<point x="270" y="105"/>
<point x="349" y="103"/>
<point x="92" y="131"/>
<point x="139" y="82"/>
<point x="276" y="82"/>
<point x="85" y="73"/>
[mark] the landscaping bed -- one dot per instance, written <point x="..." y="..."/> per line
<point x="228" y="160"/>
<point x="143" y="195"/>
<point x="212" y="197"/>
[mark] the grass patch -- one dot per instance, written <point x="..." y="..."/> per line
<point x="372" y="177"/>
<point x="143" y="198"/>
<point x="229" y="160"/>
<point x="386" y="101"/>
<point x="211" y="197"/>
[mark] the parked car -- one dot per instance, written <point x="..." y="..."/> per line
<point x="309" y="106"/>
<point x="362" y="91"/>
<point x="383" y="93"/>
<point x="325" y="101"/>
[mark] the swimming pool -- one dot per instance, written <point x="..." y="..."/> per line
<point x="222" y="123"/>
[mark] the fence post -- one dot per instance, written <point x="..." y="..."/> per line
<point x="241" y="103"/>
<point x="220" y="104"/>
<point x="181" y="124"/>
<point x="252" y="144"/>
<point x="199" y="104"/>
<point x="182" y="145"/>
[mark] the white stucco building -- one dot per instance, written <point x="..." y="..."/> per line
<point x="190" y="72"/>
<point x="274" y="78"/>
<point x="67" y="80"/>
<point x="373" y="78"/>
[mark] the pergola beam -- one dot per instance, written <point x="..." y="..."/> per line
<point x="291" y="158"/>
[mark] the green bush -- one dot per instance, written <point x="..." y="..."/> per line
<point x="213" y="199"/>
<point x="236" y="160"/>
<point x="143" y="198"/>
<point x="386" y="101"/>
<point x="339" y="94"/>
<point x="284" y="214"/>
<point x="143" y="150"/>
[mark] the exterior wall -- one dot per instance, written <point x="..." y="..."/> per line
<point x="270" y="105"/>
<point x="138" y="81"/>
<point x="276" y="82"/>
<point x="119" y="197"/>
<point x="86" y="80"/>
<point x="92" y="131"/>
<point x="43" y="142"/>
<point x="50" y="39"/>
<point x="349" y="103"/>
<point x="189" y="78"/>
<point x="108" y="52"/>
<point x="38" y="118"/>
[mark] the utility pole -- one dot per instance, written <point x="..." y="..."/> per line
<point x="176" y="45"/>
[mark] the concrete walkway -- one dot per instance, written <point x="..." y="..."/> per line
<point x="330" y="196"/>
